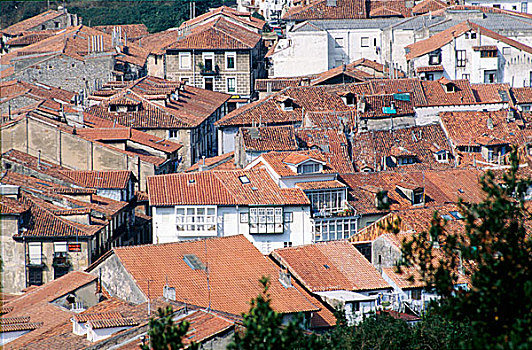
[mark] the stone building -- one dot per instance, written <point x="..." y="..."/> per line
<point x="220" y="55"/>
<point x="79" y="58"/>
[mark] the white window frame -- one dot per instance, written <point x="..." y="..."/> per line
<point x="227" y="85"/>
<point x="35" y="253"/>
<point x="266" y="220"/>
<point x="182" y="57"/>
<point x="364" y="41"/>
<point x="60" y="247"/>
<point x="227" y="56"/>
<point x="208" y="55"/>
<point x="199" y="220"/>
<point x="331" y="229"/>
<point x="328" y="201"/>
<point x="173" y="133"/>
<point x="302" y="169"/>
<point x="339" y="43"/>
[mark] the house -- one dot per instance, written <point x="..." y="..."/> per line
<point x="331" y="217"/>
<point x="222" y="162"/>
<point x="40" y="310"/>
<point x="226" y="203"/>
<point x="129" y="32"/>
<point x="509" y="5"/>
<point x="483" y="138"/>
<point x="409" y="294"/>
<point x="219" y="54"/>
<point x="338" y="274"/>
<point x="51" y="20"/>
<point x="470" y="51"/>
<point x="219" y="273"/>
<point x="374" y="195"/>
<point x="523" y="98"/>
<point x="170" y="110"/>
<point x="79" y="58"/>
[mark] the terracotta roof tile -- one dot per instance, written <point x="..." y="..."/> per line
<point x="438" y="68"/>
<point x="343" y="9"/>
<point x="38" y="91"/>
<point x="221" y="188"/>
<point x="234" y="264"/>
<point x="11" y="206"/>
<point x="28" y="326"/>
<point x="402" y="280"/>
<point x="318" y="185"/>
<point x="132" y="32"/>
<point x="335" y="265"/>
<point x="14" y="320"/>
<point x="205" y="325"/>
<point x="436" y="92"/>
<point x="28" y="38"/>
<point x="390" y="8"/>
<point x="219" y="34"/>
<point x="225" y="11"/>
<point x="279" y="161"/>
<point x="111" y="323"/>
<point x="522" y="95"/>
<point x="32" y="22"/>
<point x="492" y="93"/>
<point x="427" y="6"/>
<point x="221" y="162"/>
<point x="271" y="138"/>
<point x="100" y="179"/>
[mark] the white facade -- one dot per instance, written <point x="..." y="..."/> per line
<point x="461" y="61"/>
<point x="511" y="5"/>
<point x="94" y="335"/>
<point x="269" y="9"/>
<point x="291" y="225"/>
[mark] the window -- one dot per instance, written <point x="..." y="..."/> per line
<point x="435" y="57"/>
<point x="418" y="197"/>
<point x="43" y="27"/>
<point x="208" y="84"/>
<point x="374" y="41"/>
<point x="231" y="84"/>
<point x="230" y="60"/>
<point x="208" y="61"/>
<point x="506" y="50"/>
<point x="266" y="220"/>
<point x="56" y="24"/>
<point x="244" y="218"/>
<point x="488" y="53"/>
<point x="466" y="35"/>
<point x="330" y="229"/>
<point x="287" y="217"/>
<point x="473" y="35"/>
<point x="429" y="76"/>
<point x="490" y="76"/>
<point x="524" y="7"/>
<point x="35" y="253"/>
<point x="338" y="42"/>
<point x="326" y="201"/>
<point x="497" y="6"/>
<point x="460" y="58"/>
<point x="364" y="41"/>
<point x="185" y="80"/>
<point x="34" y="276"/>
<point x="416" y="294"/>
<point x="441" y="156"/>
<point x="196" y="219"/>
<point x="60" y="247"/>
<point x="173" y="133"/>
<point x="338" y="63"/>
<point x="244" y="179"/>
<point x="287" y="244"/>
<point x="308" y="168"/>
<point x="184" y="60"/>
<point x="466" y="76"/>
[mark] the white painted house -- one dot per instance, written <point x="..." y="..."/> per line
<point x="469" y="51"/>
<point x="524" y="6"/>
<point x="226" y="203"/>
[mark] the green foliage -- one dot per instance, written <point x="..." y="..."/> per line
<point x="496" y="252"/>
<point x="164" y="334"/>
<point x="264" y="330"/>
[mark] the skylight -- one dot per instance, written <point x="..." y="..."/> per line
<point x="244" y="179"/>
<point x="457" y="215"/>
<point x="194" y="262"/>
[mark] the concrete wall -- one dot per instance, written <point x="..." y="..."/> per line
<point x="117" y="281"/>
<point x="32" y="136"/>
<point x="384" y="253"/>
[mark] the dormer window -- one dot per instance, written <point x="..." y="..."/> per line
<point x="416" y="194"/>
<point x="308" y="168"/>
<point x="405" y="160"/>
<point x="441" y="156"/>
<point x="287" y="105"/>
<point x="348" y="98"/>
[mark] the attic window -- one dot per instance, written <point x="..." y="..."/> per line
<point x="194" y="262"/>
<point x="287" y="105"/>
<point x="244" y="179"/>
<point x="308" y="168"/>
<point x="450" y="88"/>
<point x="418" y="196"/>
<point x="435" y="57"/>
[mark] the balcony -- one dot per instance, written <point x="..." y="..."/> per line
<point x="209" y="70"/>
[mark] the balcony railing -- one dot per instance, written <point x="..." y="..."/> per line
<point x="210" y="70"/>
<point x="61" y="260"/>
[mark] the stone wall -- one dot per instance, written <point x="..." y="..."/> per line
<point x="13" y="260"/>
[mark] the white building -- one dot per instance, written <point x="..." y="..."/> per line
<point x="524" y="6"/>
<point x="227" y="203"/>
<point x="469" y="51"/>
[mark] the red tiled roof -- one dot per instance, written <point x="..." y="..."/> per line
<point x="427" y="6"/>
<point x="27" y="326"/>
<point x="100" y="179"/>
<point x="271" y="138"/>
<point x="130" y="31"/>
<point x="471" y="128"/>
<point x="343" y="9"/>
<point x="318" y="185"/>
<point x="438" y="68"/>
<point x="37" y="304"/>
<point x="28" y="38"/>
<point x="205" y="325"/>
<point x="522" y="95"/>
<point x="402" y="280"/>
<point x="278" y="161"/>
<point x="219" y="33"/>
<point x="112" y="323"/>
<point x="38" y="91"/>
<point x="388" y="8"/>
<point x="221" y="188"/>
<point x="116" y="134"/>
<point x="14" y="320"/>
<point x="437" y="95"/>
<point x="221" y="162"/>
<point x="335" y="265"/>
<point x="11" y="206"/>
<point x="442" y="38"/>
<point x="235" y="267"/>
<point x="492" y="93"/>
<point x="32" y="22"/>
<point x="242" y="17"/>
<point x="73" y="42"/>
